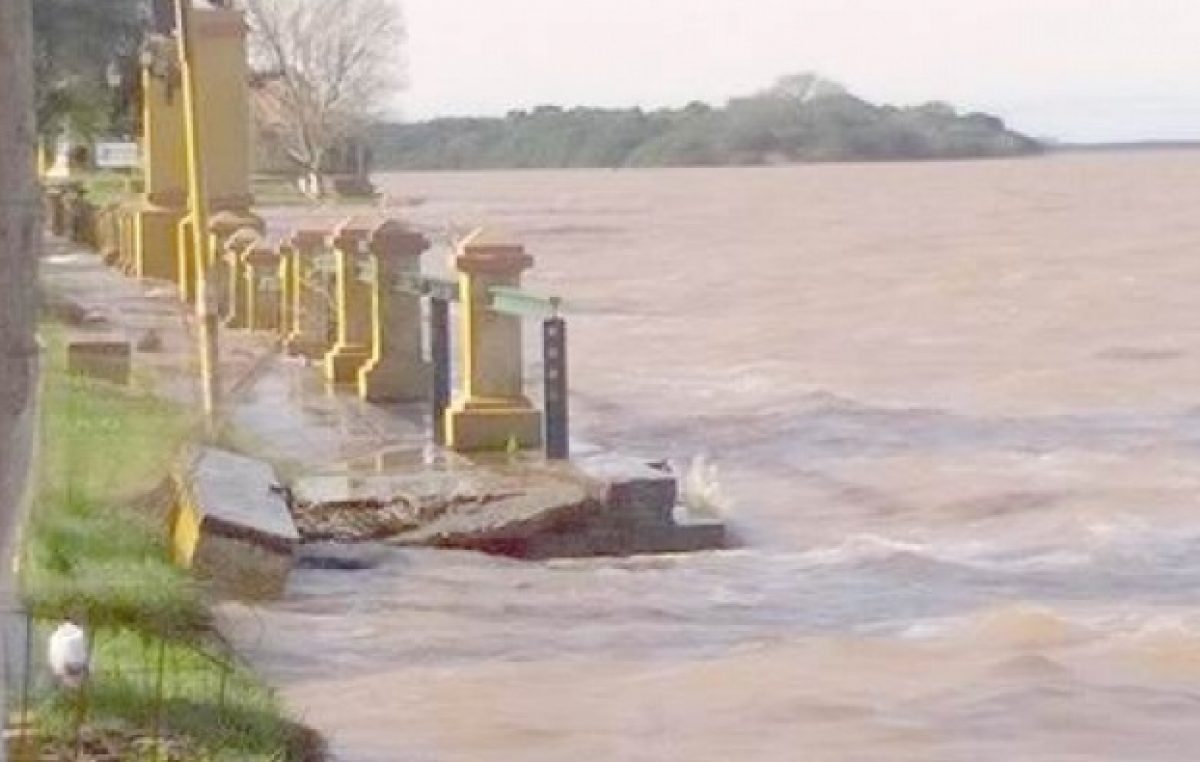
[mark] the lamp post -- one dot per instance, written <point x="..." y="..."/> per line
<point x="206" y="312"/>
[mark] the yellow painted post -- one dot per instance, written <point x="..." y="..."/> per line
<point x="491" y="411"/>
<point x="108" y="233"/>
<point x="127" y="225"/>
<point x="185" y="268"/>
<point x="288" y="285"/>
<point x="235" y="277"/>
<point x="216" y="105"/>
<point x="221" y="228"/>
<point x="313" y="310"/>
<point x="261" y="285"/>
<point x="352" y="302"/>
<point x="222" y="74"/>
<point x="163" y="204"/>
<point x="396" y="370"/>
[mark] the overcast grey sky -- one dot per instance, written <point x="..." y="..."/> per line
<point x="1074" y="69"/>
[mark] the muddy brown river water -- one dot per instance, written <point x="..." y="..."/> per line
<point x="955" y="410"/>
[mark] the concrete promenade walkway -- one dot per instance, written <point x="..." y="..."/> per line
<point x="278" y="406"/>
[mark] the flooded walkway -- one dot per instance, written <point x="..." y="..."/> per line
<point x="954" y="407"/>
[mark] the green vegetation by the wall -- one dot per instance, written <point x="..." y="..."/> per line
<point x="94" y="551"/>
<point x="801" y="119"/>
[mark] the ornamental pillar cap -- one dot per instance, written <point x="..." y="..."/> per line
<point x="306" y="239"/>
<point x="351" y="234"/>
<point x="392" y="238"/>
<point x="260" y="252"/>
<point x="492" y="252"/>
<point x="241" y="239"/>
<point x="226" y="223"/>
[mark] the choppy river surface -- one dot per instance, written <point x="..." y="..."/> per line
<point x="956" y="410"/>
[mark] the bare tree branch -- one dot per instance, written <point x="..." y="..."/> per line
<point x="325" y="69"/>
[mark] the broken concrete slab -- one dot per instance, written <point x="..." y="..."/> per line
<point x="231" y="525"/>
<point x="602" y="504"/>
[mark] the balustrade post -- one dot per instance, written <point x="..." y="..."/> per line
<point x="238" y="309"/>
<point x="491" y="411"/>
<point x="221" y="228"/>
<point x="396" y="370"/>
<point x="313" y="296"/>
<point x="261" y="261"/>
<point x="352" y="302"/>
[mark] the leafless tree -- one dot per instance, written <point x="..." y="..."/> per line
<point x="325" y="69"/>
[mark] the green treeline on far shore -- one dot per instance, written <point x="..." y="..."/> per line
<point x="803" y="118"/>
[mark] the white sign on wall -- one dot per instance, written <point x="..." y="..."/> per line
<point x="113" y="155"/>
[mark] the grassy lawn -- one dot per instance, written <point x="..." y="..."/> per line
<point x="94" y="550"/>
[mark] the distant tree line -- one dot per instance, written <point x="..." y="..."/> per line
<point x="803" y="118"/>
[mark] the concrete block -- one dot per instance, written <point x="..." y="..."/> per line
<point x="101" y="358"/>
<point x="232" y="525"/>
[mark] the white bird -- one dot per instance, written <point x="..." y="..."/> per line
<point x="68" y="654"/>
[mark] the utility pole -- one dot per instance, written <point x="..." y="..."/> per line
<point x="206" y="312"/>
<point x="20" y="237"/>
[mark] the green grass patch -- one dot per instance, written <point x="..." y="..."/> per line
<point x="205" y="696"/>
<point x="104" y="187"/>
<point x="94" y="550"/>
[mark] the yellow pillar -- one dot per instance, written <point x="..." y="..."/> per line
<point x="221" y="228"/>
<point x="261" y="285"/>
<point x="312" y="310"/>
<point x="162" y="206"/>
<point x="185" y="266"/>
<point x="162" y="237"/>
<point x="287" y="285"/>
<point x="127" y="227"/>
<point x="396" y="370"/>
<point x="223" y="102"/>
<point x="235" y="280"/>
<point x="352" y="302"/>
<point x="108" y="233"/>
<point x="491" y="410"/>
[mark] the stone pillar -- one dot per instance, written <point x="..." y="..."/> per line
<point x="221" y="228"/>
<point x="162" y="207"/>
<point x="352" y="302"/>
<point x="262" y="286"/>
<point x="491" y="411"/>
<point x="108" y="229"/>
<point x="235" y="248"/>
<point x="396" y="371"/>
<point x="223" y="74"/>
<point x="185" y="271"/>
<point x="287" y="288"/>
<point x="128" y="240"/>
<point x="313" y="310"/>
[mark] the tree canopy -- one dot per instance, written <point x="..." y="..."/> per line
<point x="803" y="118"/>
<point x="77" y="44"/>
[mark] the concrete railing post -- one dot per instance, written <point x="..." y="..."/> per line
<point x="221" y="228"/>
<point x="352" y="302"/>
<point x="312" y="309"/>
<point x="238" y="310"/>
<point x="108" y="233"/>
<point x="127" y="261"/>
<point x="396" y="370"/>
<point x="262" y="286"/>
<point x="491" y="411"/>
<point x="186" y="261"/>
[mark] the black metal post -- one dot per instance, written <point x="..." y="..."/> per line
<point x="439" y="350"/>
<point x="554" y="361"/>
